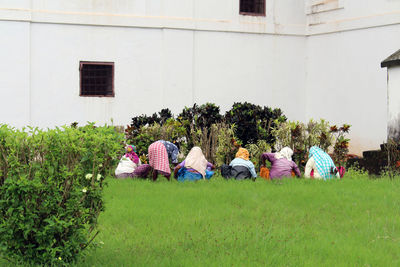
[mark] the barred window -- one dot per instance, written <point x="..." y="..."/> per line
<point x="252" y="7"/>
<point x="96" y="78"/>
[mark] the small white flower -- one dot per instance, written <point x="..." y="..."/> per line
<point x="89" y="176"/>
<point x="100" y="165"/>
<point x="98" y="177"/>
<point x="84" y="190"/>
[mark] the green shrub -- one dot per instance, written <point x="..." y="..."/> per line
<point x="172" y="130"/>
<point x="204" y="126"/>
<point x="256" y="150"/>
<point x="51" y="190"/>
<point x="301" y="137"/>
<point x="253" y="122"/>
<point x="226" y="143"/>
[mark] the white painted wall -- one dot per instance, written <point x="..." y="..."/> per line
<point x="160" y="68"/>
<point x="345" y="83"/>
<point x="173" y="53"/>
<point x="14" y="73"/>
<point x="394" y="102"/>
<point x="353" y="14"/>
<point x="137" y="54"/>
<point x="261" y="69"/>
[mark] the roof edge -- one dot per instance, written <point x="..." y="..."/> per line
<point x="392" y="60"/>
<point x="391" y="63"/>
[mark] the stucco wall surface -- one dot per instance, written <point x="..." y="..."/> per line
<point x="15" y="73"/>
<point x="345" y="83"/>
<point x="173" y="53"/>
<point x="161" y="68"/>
<point x="394" y="102"/>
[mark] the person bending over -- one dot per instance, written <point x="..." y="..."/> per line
<point x="321" y="164"/>
<point x="130" y="165"/>
<point x="282" y="164"/>
<point x="240" y="168"/>
<point x="194" y="167"/>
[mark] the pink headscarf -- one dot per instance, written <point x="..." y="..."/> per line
<point x="130" y="153"/>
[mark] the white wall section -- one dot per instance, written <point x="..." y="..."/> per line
<point x="312" y="58"/>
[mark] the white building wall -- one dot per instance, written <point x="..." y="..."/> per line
<point x="345" y="83"/>
<point x="160" y="68"/>
<point x="15" y="73"/>
<point x="137" y="54"/>
<point x="394" y="102"/>
<point x="173" y="53"/>
<point x="261" y="69"/>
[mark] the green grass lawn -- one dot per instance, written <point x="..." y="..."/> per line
<point x="352" y="222"/>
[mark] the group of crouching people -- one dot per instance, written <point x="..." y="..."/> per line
<point x="196" y="167"/>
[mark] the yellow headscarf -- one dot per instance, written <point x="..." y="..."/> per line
<point x="243" y="153"/>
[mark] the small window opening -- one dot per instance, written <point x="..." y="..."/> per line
<point x="252" y="7"/>
<point x="97" y="78"/>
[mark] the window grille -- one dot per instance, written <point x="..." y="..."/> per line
<point x="96" y="78"/>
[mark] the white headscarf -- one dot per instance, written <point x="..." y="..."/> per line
<point x="196" y="160"/>
<point x="285" y="152"/>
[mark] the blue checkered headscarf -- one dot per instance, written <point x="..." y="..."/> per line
<point x="323" y="161"/>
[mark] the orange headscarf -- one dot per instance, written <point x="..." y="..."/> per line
<point x="243" y="153"/>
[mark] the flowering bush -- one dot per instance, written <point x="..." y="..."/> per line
<point x="51" y="190"/>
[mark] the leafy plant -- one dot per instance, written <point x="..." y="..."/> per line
<point x="204" y="126"/>
<point x="253" y="121"/>
<point x="301" y="137"/>
<point x="227" y="144"/>
<point x="256" y="150"/>
<point x="51" y="190"/>
<point x="172" y="130"/>
<point x="341" y="147"/>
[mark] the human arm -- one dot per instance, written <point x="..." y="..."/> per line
<point x="232" y="162"/>
<point x="267" y="156"/>
<point x="252" y="170"/>
<point x="210" y="166"/>
<point x="296" y="169"/>
<point x="177" y="168"/>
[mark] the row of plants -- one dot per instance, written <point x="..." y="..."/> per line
<point x="217" y="134"/>
<point x="51" y="190"/>
<point x="302" y="136"/>
<point x="259" y="129"/>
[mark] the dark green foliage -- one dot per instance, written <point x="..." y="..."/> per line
<point x="253" y="122"/>
<point x="199" y="118"/>
<point x="164" y="115"/>
<point x="202" y="116"/>
<point x="51" y="190"/>
<point x="200" y="125"/>
<point x="142" y="120"/>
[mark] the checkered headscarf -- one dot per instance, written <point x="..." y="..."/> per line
<point x="323" y="161"/>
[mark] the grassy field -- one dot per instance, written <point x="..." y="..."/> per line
<point x="352" y="222"/>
